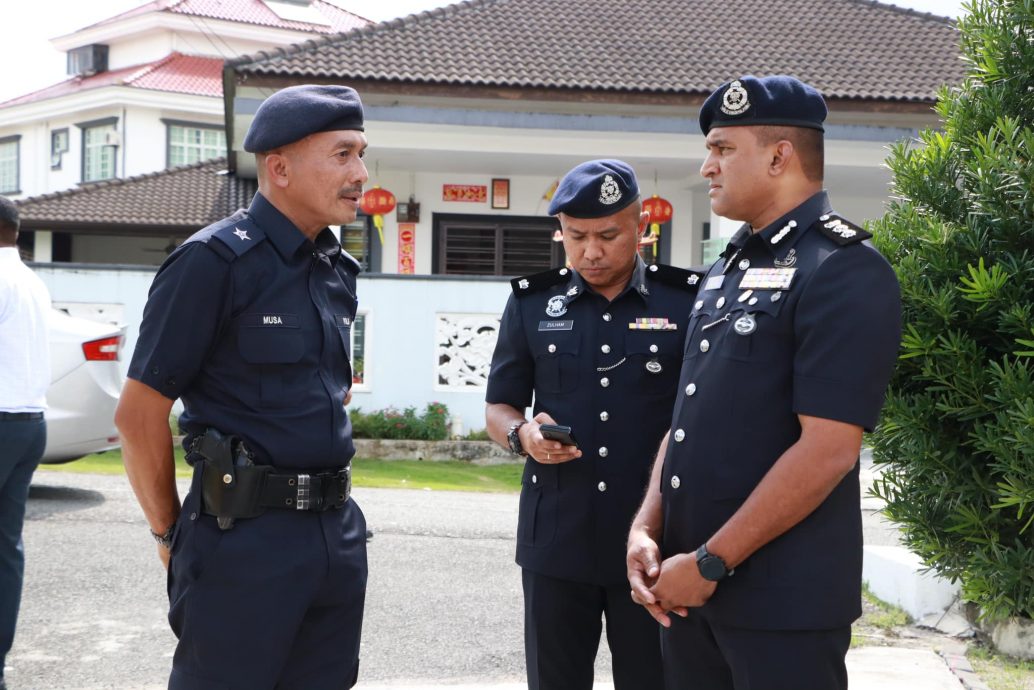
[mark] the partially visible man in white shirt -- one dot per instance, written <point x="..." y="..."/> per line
<point x="24" y="377"/>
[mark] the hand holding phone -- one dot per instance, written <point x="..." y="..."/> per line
<point x="558" y="432"/>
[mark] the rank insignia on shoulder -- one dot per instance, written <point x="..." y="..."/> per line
<point x="767" y="278"/>
<point x="841" y="231"/>
<point x="525" y="285"/>
<point x="676" y="277"/>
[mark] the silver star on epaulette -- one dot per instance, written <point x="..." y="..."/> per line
<point x="523" y="284"/>
<point x="693" y="279"/>
<point x="243" y="234"/>
<point x="573" y="291"/>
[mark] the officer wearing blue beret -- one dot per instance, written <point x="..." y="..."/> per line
<point x="248" y="324"/>
<point x="751" y="530"/>
<point x="599" y="346"/>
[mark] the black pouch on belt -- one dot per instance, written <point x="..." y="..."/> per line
<point x="231" y="484"/>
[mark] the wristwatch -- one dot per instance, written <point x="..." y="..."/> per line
<point x="514" y="439"/>
<point x="165" y="539"/>
<point x="711" y="567"/>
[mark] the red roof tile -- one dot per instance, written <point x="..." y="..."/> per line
<point x="175" y="73"/>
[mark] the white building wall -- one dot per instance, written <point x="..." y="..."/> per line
<point x="140" y="49"/>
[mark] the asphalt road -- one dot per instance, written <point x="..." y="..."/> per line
<point x="443" y="606"/>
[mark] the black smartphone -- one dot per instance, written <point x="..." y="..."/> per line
<point x="556" y="432"/>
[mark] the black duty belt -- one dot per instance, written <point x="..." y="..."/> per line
<point x="20" y="416"/>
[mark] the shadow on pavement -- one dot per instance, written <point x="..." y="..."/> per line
<point x="51" y="500"/>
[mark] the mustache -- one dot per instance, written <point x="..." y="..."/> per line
<point x="351" y="191"/>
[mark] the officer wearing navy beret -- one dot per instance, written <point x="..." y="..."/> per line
<point x="248" y="324"/>
<point x="598" y="345"/>
<point x="751" y="532"/>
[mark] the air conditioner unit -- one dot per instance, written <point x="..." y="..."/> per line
<point x="112" y="139"/>
<point x="88" y="60"/>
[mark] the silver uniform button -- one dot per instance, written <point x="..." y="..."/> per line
<point x="675" y="481"/>
<point x="653" y="348"/>
<point x="691" y="389"/>
<point x="699" y="304"/>
<point x="604" y="416"/>
<point x="563" y="271"/>
<point x="653" y="268"/>
<point x="604" y="382"/>
<point x="552" y="347"/>
<point x="534" y="479"/>
<point x="607" y="316"/>
<point x="704" y="346"/>
<point x="605" y="349"/>
<point x="602" y="486"/>
<point x="604" y="452"/>
<point x="745" y="264"/>
<point x="752" y="301"/>
<point x="679" y="435"/>
<point x="720" y="303"/>
<point x="776" y="296"/>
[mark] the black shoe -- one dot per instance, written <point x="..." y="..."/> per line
<point x="369" y="536"/>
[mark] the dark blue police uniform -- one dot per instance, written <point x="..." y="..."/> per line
<point x="801" y="318"/>
<point x="607" y="369"/>
<point x="248" y="323"/>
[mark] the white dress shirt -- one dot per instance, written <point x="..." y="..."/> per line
<point x="24" y="343"/>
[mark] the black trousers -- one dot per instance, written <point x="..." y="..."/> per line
<point x="700" y="655"/>
<point x="562" y="626"/>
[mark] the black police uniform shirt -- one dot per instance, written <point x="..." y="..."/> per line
<point x="248" y="321"/>
<point x="609" y="371"/>
<point x="801" y="318"/>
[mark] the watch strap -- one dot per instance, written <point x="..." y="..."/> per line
<point x="711" y="567"/>
<point x="166" y="538"/>
<point x="514" y="439"/>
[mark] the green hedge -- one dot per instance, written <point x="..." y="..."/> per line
<point x="390" y="423"/>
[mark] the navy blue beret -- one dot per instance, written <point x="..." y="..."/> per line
<point x="298" y="111"/>
<point x="776" y="100"/>
<point x="595" y="189"/>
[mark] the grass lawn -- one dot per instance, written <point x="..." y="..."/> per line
<point x="389" y="474"/>
<point x="1001" y="672"/>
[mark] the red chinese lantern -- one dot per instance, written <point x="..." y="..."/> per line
<point x="660" y="212"/>
<point x="377" y="202"/>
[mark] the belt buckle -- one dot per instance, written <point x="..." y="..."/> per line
<point x="303" y="492"/>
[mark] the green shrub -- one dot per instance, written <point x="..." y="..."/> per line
<point x="956" y="442"/>
<point x="390" y="423"/>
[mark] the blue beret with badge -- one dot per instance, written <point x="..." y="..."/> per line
<point x="595" y="189"/>
<point x="776" y="100"/>
<point x="296" y="112"/>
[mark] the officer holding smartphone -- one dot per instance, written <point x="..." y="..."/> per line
<point x="598" y="346"/>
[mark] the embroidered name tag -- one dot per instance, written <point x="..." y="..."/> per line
<point x="343" y="319"/>
<point x="270" y="320"/>
<point x="652" y="324"/>
<point x="767" y="278"/>
<point x="565" y="325"/>
<point x="714" y="282"/>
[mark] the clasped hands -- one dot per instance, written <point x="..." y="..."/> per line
<point x="671" y="586"/>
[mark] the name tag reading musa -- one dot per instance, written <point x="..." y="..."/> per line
<point x="270" y="320"/>
<point x="565" y="325"/>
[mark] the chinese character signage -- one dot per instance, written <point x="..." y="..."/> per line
<point x="477" y="193"/>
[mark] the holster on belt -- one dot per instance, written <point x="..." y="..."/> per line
<point x="231" y="483"/>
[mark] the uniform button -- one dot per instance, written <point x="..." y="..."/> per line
<point x="745" y="264"/>
<point x="752" y="301"/>
<point x="776" y="296"/>
<point x="552" y="347"/>
<point x="534" y="479"/>
<point x="675" y="481"/>
<point x="563" y="271"/>
<point x="679" y="435"/>
<point x="193" y="516"/>
<point x="704" y="346"/>
<point x="155" y="371"/>
<point x="604" y="382"/>
<point x="607" y="316"/>
<point x="653" y="348"/>
<point x="227" y="478"/>
<point x="602" y="486"/>
<point x="604" y="452"/>
<point x="653" y="268"/>
<point x="604" y="416"/>
<point x="691" y="389"/>
<point x="605" y="349"/>
<point x="699" y="304"/>
<point x="720" y="303"/>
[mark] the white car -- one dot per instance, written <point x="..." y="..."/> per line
<point x="85" y="383"/>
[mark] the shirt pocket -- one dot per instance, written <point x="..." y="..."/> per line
<point x="272" y="343"/>
<point x="556" y="362"/>
<point x="753" y="330"/>
<point x="539" y="505"/>
<point x="654" y="358"/>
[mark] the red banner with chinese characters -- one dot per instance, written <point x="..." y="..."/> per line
<point x="407" y="248"/>
<point x="477" y="193"/>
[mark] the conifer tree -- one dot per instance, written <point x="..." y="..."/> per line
<point x="956" y="442"/>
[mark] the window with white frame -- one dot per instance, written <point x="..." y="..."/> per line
<point x="100" y="144"/>
<point x="58" y="147"/>
<point x="9" y="179"/>
<point x="189" y="143"/>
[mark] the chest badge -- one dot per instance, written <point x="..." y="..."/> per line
<point x="654" y="367"/>
<point x="745" y="325"/>
<point x="787" y="261"/>
<point x="243" y="234"/>
<point x="556" y="306"/>
<point x="767" y="278"/>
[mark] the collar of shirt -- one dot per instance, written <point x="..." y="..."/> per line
<point x="779" y="236"/>
<point x="577" y="286"/>
<point x="286" y="236"/>
<point x="10" y="255"/>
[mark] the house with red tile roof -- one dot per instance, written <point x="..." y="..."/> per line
<point x="143" y="94"/>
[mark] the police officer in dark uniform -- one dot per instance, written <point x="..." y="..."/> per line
<point x="248" y="323"/>
<point x="751" y="530"/>
<point x="599" y="345"/>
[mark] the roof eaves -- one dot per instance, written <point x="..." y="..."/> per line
<point x="941" y="19"/>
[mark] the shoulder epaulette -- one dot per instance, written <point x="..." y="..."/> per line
<point x="676" y="277"/>
<point x="239" y="234"/>
<point x="841" y="231"/>
<point x="539" y="281"/>
<point x="351" y="262"/>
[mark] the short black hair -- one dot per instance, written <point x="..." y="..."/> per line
<point x="809" y="144"/>
<point x="9" y="219"/>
